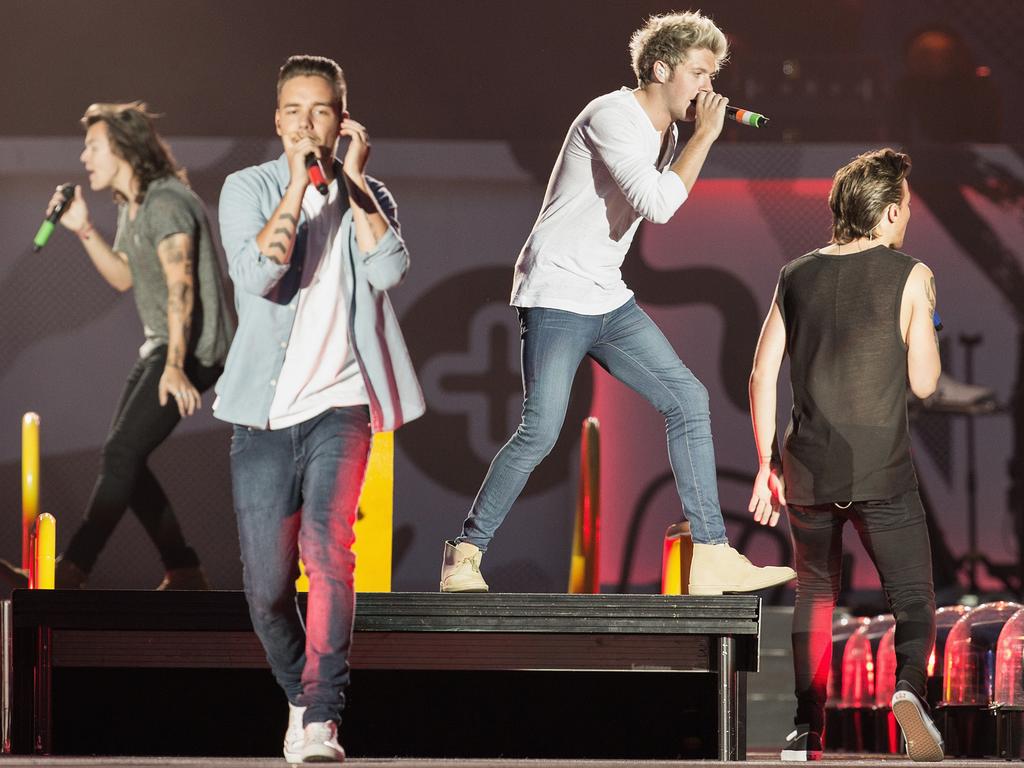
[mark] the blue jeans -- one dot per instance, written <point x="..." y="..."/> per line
<point x="298" y="488"/>
<point x="627" y="344"/>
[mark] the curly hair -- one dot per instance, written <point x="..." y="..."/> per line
<point x="670" y="37"/>
<point x="861" y="191"/>
<point x="133" y="138"/>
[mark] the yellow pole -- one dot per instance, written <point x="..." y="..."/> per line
<point x="676" y="556"/>
<point x="46" y="551"/>
<point x="29" y="483"/>
<point x="375" y="519"/>
<point x="584" y="573"/>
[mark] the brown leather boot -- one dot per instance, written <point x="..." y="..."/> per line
<point x="184" y="578"/>
<point x="67" y="575"/>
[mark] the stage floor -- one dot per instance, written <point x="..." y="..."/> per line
<point x="756" y="758"/>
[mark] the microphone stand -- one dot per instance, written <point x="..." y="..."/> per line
<point x="969" y="342"/>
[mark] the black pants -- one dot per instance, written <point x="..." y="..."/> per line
<point x="140" y="424"/>
<point x="894" y="533"/>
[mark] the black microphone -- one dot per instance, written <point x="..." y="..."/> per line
<point x="67" y="194"/>
<point x="316" y="173"/>
<point x="743" y="116"/>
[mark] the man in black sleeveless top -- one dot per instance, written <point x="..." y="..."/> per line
<point x="856" y="318"/>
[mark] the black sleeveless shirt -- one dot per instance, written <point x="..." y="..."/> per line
<point x="848" y="439"/>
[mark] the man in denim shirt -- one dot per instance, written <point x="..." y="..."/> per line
<point x="317" y="364"/>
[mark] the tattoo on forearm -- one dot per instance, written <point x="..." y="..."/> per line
<point x="179" y="313"/>
<point x="286" y="232"/>
<point x="176" y="356"/>
<point x="179" y="301"/>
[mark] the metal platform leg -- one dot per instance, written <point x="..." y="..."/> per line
<point x="731" y="704"/>
<point x="6" y="675"/>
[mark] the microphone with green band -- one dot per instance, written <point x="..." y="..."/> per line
<point x="67" y="194"/>
<point x="743" y="116"/>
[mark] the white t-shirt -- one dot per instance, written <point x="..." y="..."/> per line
<point x="320" y="370"/>
<point x="608" y="174"/>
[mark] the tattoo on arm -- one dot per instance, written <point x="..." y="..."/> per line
<point x="930" y="293"/>
<point x="179" y="312"/>
<point x="287" y="232"/>
<point x="179" y="298"/>
<point x="175" y="357"/>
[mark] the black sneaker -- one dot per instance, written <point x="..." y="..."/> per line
<point x="802" y="745"/>
<point x="924" y="743"/>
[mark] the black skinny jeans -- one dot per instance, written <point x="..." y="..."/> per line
<point x="140" y="424"/>
<point x="894" y="533"/>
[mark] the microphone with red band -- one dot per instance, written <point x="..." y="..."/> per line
<point x="316" y="173"/>
<point x="743" y="116"/>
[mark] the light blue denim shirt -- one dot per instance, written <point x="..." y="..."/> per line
<point x="266" y="294"/>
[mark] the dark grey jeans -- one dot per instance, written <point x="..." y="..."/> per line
<point x="139" y="426"/>
<point x="894" y="533"/>
<point x="298" y="488"/>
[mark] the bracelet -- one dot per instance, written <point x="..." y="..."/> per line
<point x="85" y="230"/>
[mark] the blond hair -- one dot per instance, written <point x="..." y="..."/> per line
<point x="670" y="37"/>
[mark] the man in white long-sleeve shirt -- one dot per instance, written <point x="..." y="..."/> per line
<point x="615" y="167"/>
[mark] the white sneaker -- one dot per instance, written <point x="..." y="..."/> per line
<point x="294" y="738"/>
<point x="924" y="743"/>
<point x="718" y="568"/>
<point x="321" y="744"/>
<point x="460" y="568"/>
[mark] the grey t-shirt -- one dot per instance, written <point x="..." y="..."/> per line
<point x="171" y="208"/>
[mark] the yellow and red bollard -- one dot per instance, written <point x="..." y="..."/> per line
<point x="676" y="557"/>
<point x="374" y="521"/>
<point x="29" y="484"/>
<point x="45" y="539"/>
<point x="584" y="574"/>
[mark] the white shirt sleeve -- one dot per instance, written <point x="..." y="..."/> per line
<point x="618" y="141"/>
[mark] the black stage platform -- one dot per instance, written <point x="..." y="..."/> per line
<point x="491" y="675"/>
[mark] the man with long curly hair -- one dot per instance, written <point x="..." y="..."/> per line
<point x="164" y="253"/>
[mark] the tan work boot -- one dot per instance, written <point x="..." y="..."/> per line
<point x="184" y="578"/>
<point x="460" y="569"/>
<point x="718" y="568"/>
